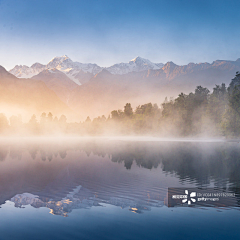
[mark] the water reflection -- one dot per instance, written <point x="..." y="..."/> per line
<point x="77" y="199"/>
<point x="61" y="207"/>
<point x="63" y="176"/>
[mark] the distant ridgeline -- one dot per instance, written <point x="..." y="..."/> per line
<point x="197" y="114"/>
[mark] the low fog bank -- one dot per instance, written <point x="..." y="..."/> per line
<point x="76" y="139"/>
<point x="137" y="127"/>
<point x="200" y="114"/>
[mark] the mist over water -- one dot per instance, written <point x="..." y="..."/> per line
<point x="106" y="181"/>
<point x="98" y="163"/>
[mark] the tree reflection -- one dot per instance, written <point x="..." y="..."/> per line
<point x="3" y="152"/>
<point x="198" y="163"/>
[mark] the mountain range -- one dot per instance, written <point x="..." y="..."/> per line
<point x="89" y="89"/>
<point x="82" y="72"/>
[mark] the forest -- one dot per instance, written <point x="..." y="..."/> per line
<point x="200" y="113"/>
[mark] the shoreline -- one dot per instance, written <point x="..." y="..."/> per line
<point x="113" y="138"/>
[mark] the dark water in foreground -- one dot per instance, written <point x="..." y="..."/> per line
<point x="105" y="189"/>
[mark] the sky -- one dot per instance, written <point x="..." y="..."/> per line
<point x="108" y="32"/>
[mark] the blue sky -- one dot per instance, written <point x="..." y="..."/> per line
<point x="108" y="32"/>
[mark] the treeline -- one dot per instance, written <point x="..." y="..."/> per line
<point x="195" y="114"/>
<point x="202" y="112"/>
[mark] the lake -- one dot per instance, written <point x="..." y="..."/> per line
<point x="105" y="188"/>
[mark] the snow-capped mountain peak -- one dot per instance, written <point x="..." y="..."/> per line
<point x="73" y="70"/>
<point x="60" y="62"/>
<point x="59" y="59"/>
<point x="140" y="60"/>
<point x="135" y="65"/>
<point x="23" y="71"/>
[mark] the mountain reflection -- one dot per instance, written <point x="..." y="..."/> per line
<point x="61" y="207"/>
<point x="63" y="176"/>
<point x="77" y="199"/>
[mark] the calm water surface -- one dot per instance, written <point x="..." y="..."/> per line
<point x="111" y="189"/>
